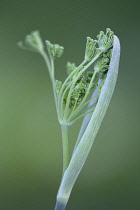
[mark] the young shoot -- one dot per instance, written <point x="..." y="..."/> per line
<point x="83" y="93"/>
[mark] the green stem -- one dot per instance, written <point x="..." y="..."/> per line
<point x="50" y="66"/>
<point x="47" y="61"/>
<point x="53" y="84"/>
<point x="64" y="130"/>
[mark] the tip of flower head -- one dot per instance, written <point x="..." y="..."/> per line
<point x="54" y="50"/>
<point x="32" y="42"/>
<point x="90" y="48"/>
<point x="100" y="35"/>
<point x="105" y="40"/>
<point x="108" y="31"/>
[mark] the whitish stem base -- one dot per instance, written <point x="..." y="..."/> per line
<point x="61" y="203"/>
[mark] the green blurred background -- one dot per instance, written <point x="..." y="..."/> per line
<point x="30" y="138"/>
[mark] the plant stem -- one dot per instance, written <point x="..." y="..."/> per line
<point x="60" y="204"/>
<point x="64" y="130"/>
<point x="47" y="61"/>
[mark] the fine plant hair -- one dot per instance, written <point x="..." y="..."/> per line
<point x="84" y="94"/>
